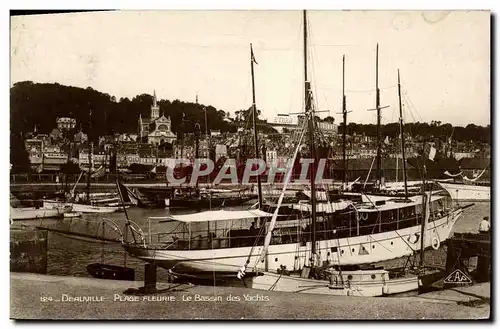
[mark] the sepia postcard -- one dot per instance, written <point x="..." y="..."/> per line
<point x="250" y="164"/>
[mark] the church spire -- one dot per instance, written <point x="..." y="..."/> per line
<point x="155" y="109"/>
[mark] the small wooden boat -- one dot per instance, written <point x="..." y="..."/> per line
<point x="35" y="213"/>
<point x="111" y="272"/>
<point x="363" y="283"/>
<point x="72" y="214"/>
<point x="367" y="282"/>
<point x="88" y="208"/>
<point x="78" y="207"/>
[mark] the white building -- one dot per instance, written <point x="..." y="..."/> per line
<point x="99" y="158"/>
<point x="66" y="123"/>
<point x="271" y="158"/>
<point x="157" y="129"/>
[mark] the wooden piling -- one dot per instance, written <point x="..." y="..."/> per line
<point x="150" y="278"/>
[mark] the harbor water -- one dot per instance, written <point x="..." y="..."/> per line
<point x="70" y="255"/>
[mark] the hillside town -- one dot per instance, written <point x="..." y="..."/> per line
<point x="155" y="146"/>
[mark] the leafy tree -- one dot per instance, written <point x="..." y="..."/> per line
<point x="329" y="119"/>
<point x="19" y="158"/>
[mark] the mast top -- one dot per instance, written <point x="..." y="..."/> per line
<point x="306" y="78"/>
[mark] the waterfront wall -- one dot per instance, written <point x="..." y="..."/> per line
<point x="28" y="250"/>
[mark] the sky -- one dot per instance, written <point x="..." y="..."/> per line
<point x="443" y="58"/>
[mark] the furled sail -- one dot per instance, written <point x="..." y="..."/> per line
<point x="267" y="241"/>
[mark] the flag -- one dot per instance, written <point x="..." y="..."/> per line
<point x="386" y="140"/>
<point x="252" y="56"/>
<point x="153" y="170"/>
<point x="122" y="189"/>
<point x="430" y="152"/>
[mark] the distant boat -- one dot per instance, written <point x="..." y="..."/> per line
<point x="72" y="214"/>
<point x="187" y="197"/>
<point x="467" y="192"/>
<point x="436" y="169"/>
<point x="83" y="208"/>
<point x="36" y="213"/>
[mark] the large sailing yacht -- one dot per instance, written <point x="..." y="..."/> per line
<point x="223" y="241"/>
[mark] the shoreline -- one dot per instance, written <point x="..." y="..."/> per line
<point x="37" y="296"/>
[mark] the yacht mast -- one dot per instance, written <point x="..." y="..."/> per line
<point x="309" y="111"/>
<point x="401" y="127"/>
<point x="254" y="111"/>
<point x="424" y="209"/>
<point x="377" y="106"/>
<point x="344" y="113"/>
<point x="90" y="145"/>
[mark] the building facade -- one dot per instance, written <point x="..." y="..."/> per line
<point x="156" y="129"/>
<point x="66" y="123"/>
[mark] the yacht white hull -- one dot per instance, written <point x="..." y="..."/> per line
<point x="370" y="198"/>
<point x="364" y="249"/>
<point x="464" y="192"/>
<point x="33" y="213"/>
<point x="82" y="208"/>
<point x="362" y="283"/>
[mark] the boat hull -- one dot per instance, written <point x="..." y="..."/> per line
<point x="464" y="192"/>
<point x="111" y="272"/>
<point x="362" y="283"/>
<point x="32" y="213"/>
<point x="82" y="208"/>
<point x="94" y="209"/>
<point x="364" y="249"/>
<point x="206" y="203"/>
<point x="72" y="215"/>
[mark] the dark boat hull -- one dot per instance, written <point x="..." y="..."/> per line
<point x="208" y="203"/>
<point x="111" y="272"/>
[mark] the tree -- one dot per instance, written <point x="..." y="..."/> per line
<point x="41" y="103"/>
<point x="19" y="157"/>
<point x="329" y="119"/>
